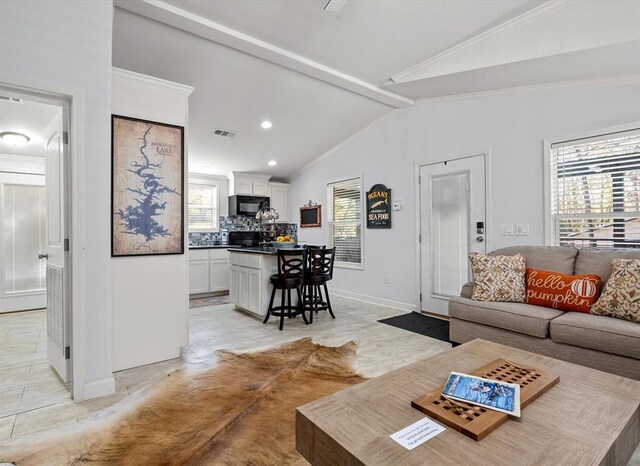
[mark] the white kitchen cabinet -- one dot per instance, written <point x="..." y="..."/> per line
<point x="261" y="188"/>
<point x="254" y="291"/>
<point x="243" y="285"/>
<point x="208" y="270"/>
<point x="249" y="285"/>
<point x="279" y="194"/>
<point x="198" y="276"/>
<point x="234" y="283"/>
<point x="251" y="184"/>
<point x="218" y="275"/>
<point x="241" y="185"/>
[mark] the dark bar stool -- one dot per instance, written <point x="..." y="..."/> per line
<point x="319" y="270"/>
<point x="291" y="265"/>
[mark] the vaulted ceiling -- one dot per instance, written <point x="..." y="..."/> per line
<point x="321" y="76"/>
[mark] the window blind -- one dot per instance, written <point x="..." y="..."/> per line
<point x="345" y="221"/>
<point x="595" y="191"/>
<point x="203" y="202"/>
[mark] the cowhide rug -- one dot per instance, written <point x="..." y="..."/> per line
<point x="240" y="412"/>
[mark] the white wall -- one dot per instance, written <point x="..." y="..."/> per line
<point x="69" y="43"/>
<point x="511" y="126"/>
<point x="21" y="164"/>
<point x="150" y="294"/>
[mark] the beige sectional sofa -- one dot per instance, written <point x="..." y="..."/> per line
<point x="603" y="343"/>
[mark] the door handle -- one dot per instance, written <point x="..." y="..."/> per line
<point x="479" y="239"/>
<point x="43" y="256"/>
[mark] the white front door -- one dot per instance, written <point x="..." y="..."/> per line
<point x="57" y="250"/>
<point x="452" y="224"/>
<point x="22" y="238"/>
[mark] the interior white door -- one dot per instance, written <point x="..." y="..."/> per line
<point x="452" y="217"/>
<point x="22" y="238"/>
<point x="57" y="251"/>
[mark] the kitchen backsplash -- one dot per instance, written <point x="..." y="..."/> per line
<point x="240" y="224"/>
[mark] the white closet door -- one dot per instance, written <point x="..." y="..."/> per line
<point x="22" y="212"/>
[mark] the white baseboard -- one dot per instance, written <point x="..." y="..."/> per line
<point x="375" y="300"/>
<point x="99" y="388"/>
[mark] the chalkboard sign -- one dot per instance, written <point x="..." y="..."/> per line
<point x="310" y="216"/>
<point x="379" y="207"/>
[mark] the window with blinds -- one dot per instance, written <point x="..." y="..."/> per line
<point x="345" y="221"/>
<point x="203" y="207"/>
<point x="595" y="191"/>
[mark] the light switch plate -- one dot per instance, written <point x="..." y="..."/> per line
<point x="507" y="229"/>
<point x="522" y="229"/>
<point x="397" y="204"/>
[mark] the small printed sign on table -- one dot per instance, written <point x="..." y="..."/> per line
<point x="417" y="433"/>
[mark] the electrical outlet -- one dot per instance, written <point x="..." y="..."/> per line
<point x="507" y="229"/>
<point x="522" y="229"/>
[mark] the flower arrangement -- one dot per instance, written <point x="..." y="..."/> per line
<point x="267" y="214"/>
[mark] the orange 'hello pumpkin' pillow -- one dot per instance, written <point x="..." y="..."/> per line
<point x="562" y="292"/>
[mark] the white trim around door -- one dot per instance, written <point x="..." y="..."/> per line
<point x="72" y="98"/>
<point x="421" y="236"/>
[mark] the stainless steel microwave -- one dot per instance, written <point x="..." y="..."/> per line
<point x="247" y="206"/>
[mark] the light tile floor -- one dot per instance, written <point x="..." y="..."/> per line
<point x="33" y="399"/>
<point x="382" y="348"/>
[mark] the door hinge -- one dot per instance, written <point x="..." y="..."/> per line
<point x="419" y="237"/>
<point x="419" y="179"/>
<point x="67" y="352"/>
<point x="65" y="137"/>
<point x="66" y="244"/>
<point x="420" y="297"/>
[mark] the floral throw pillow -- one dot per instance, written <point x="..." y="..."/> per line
<point x="621" y="295"/>
<point x="498" y="278"/>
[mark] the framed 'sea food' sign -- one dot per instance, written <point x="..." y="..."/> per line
<point x="379" y="207"/>
<point x="147" y="207"/>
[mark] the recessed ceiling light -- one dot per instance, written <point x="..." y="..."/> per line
<point x="266" y="124"/>
<point x="272" y="163"/>
<point x="15" y="139"/>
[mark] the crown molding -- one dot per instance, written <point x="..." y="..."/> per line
<point x="132" y="76"/>
<point x="528" y="17"/>
<point x="181" y="19"/>
<point x="617" y="80"/>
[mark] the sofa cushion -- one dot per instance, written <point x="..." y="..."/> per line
<point x="517" y="317"/>
<point x="600" y="333"/>
<point x="561" y="291"/>
<point x="498" y="278"/>
<point x="467" y="290"/>
<point x="621" y="296"/>
<point x="598" y="261"/>
<point x="550" y="258"/>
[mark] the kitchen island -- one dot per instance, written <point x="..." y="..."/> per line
<point x="249" y="273"/>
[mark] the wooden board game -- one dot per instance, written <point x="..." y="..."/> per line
<point x="475" y="421"/>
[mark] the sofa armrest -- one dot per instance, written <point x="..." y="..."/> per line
<point x="467" y="290"/>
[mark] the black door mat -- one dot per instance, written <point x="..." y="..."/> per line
<point x="418" y="323"/>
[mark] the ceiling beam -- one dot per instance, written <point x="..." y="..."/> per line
<point x="334" y="5"/>
<point x="194" y="24"/>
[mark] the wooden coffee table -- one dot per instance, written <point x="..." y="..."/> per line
<point x="590" y="417"/>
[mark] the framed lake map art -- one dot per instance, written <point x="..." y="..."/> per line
<point x="147" y="187"/>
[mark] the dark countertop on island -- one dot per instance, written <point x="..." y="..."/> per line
<point x="257" y="250"/>
<point x="217" y="246"/>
